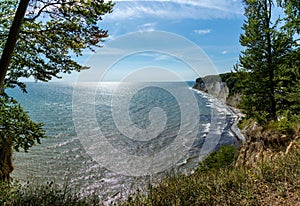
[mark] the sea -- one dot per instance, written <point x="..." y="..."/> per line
<point x="113" y="138"/>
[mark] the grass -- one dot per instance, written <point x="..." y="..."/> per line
<point x="216" y="182"/>
<point x="42" y="195"/>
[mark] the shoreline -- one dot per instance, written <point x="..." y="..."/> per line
<point x="234" y="128"/>
<point x="235" y="113"/>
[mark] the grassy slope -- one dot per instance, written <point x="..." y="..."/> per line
<point x="275" y="182"/>
<point x="216" y="182"/>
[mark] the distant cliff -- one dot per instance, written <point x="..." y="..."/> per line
<point x="213" y="85"/>
<point x="223" y="86"/>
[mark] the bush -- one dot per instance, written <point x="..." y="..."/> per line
<point x="6" y="193"/>
<point x="283" y="126"/>
<point x="225" y="157"/>
<point x="42" y="195"/>
<point x="287" y="123"/>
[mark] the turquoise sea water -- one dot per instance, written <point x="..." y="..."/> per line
<point x="62" y="157"/>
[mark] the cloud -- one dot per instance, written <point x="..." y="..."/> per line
<point x="223" y="5"/>
<point x="163" y="57"/>
<point x="176" y="9"/>
<point x="147" y="27"/>
<point x="202" y="31"/>
<point x="224" y="52"/>
<point x="156" y="56"/>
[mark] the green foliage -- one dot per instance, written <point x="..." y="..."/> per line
<point x="292" y="11"/>
<point x="16" y="126"/>
<point x="53" y="32"/>
<point x="269" y="65"/>
<point x="265" y="184"/>
<point x="215" y="182"/>
<point x="289" y="83"/>
<point x="7" y="193"/>
<point x="6" y="18"/>
<point x="42" y="195"/>
<point x="261" y="39"/>
<point x="16" y="131"/>
<point x="286" y="124"/>
<point x="232" y="80"/>
<point x="225" y="157"/>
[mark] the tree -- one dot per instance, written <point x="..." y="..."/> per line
<point x="38" y="39"/>
<point x="12" y="40"/>
<point x="16" y="131"/>
<point x="51" y="32"/>
<point x="290" y="83"/>
<point x="265" y="48"/>
<point x="292" y="11"/>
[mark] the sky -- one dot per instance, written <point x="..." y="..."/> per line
<point x="214" y="26"/>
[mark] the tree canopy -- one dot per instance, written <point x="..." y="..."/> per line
<point x="269" y="62"/>
<point x="52" y="31"/>
<point x="38" y="39"/>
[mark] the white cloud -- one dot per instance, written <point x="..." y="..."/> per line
<point x="202" y="31"/>
<point x="163" y="57"/>
<point x="147" y="27"/>
<point x="223" y="5"/>
<point x="224" y="52"/>
<point x="176" y="9"/>
<point x="159" y="56"/>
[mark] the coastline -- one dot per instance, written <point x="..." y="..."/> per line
<point x="235" y="113"/>
<point x="234" y="128"/>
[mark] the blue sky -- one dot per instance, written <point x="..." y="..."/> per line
<point x="213" y="25"/>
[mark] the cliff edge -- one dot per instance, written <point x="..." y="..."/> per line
<point x="213" y="85"/>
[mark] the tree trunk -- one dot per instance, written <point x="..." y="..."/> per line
<point x="6" y="166"/>
<point x="12" y="40"/>
<point x="270" y="63"/>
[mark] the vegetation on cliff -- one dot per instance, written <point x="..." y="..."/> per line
<point x="217" y="181"/>
<point x="269" y="65"/>
<point x="273" y="182"/>
<point x="265" y="85"/>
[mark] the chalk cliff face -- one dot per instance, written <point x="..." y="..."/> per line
<point x="222" y="86"/>
<point x="213" y="87"/>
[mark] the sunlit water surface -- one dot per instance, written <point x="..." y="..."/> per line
<point x="61" y="157"/>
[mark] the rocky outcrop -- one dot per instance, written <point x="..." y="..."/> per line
<point x="215" y="88"/>
<point x="263" y="146"/>
<point x="224" y="86"/>
<point x="234" y="100"/>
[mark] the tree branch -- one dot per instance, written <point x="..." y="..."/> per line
<point x="12" y="40"/>
<point x="46" y="6"/>
<point x="40" y="12"/>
